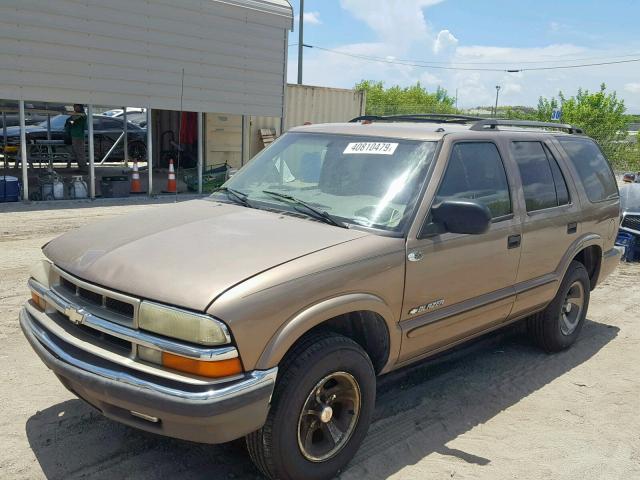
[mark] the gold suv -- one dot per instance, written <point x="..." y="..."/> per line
<point x="339" y="253"/>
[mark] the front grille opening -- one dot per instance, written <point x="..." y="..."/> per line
<point x="122" y="308"/>
<point x="104" y="338"/>
<point x="92" y="297"/>
<point x="67" y="285"/>
<point x="632" y="222"/>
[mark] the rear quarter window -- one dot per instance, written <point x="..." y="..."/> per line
<point x="593" y="168"/>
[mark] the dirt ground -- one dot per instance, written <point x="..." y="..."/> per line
<point x="499" y="409"/>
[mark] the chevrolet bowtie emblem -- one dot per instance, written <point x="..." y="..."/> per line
<point x="76" y="316"/>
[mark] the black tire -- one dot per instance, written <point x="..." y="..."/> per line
<point x="275" y="447"/>
<point x="547" y="327"/>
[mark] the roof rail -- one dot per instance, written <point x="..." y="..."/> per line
<point x="491" y="124"/>
<point x="418" y="118"/>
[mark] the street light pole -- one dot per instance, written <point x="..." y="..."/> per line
<point x="300" y="41"/>
<point x="495" y="111"/>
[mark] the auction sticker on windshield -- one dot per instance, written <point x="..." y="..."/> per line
<point x="371" y="148"/>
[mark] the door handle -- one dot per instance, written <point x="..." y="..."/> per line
<point x="572" y="227"/>
<point x="514" y="241"/>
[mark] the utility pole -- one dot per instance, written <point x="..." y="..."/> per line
<point x="300" y="41"/>
<point x="456" y="99"/>
<point x="495" y="111"/>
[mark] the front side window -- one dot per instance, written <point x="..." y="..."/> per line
<point x="542" y="181"/>
<point x="476" y="172"/>
<point x="370" y="181"/>
<point x="592" y="167"/>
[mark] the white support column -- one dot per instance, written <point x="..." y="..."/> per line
<point x="126" y="137"/>
<point x="92" y="171"/>
<point x="200" y="149"/>
<point x="150" y="149"/>
<point x="23" y="153"/>
<point x="5" y="140"/>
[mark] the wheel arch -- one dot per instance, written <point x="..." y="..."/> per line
<point x="588" y="251"/>
<point x="365" y="318"/>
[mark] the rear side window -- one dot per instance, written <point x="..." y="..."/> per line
<point x="543" y="184"/>
<point x="593" y="169"/>
<point x="537" y="179"/>
<point x="476" y="172"/>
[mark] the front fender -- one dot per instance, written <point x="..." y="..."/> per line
<point x="320" y="312"/>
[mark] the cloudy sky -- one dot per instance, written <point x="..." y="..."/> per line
<point x="491" y="34"/>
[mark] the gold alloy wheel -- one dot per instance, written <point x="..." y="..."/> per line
<point x="329" y="416"/>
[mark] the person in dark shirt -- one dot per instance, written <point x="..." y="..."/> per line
<point x="76" y="126"/>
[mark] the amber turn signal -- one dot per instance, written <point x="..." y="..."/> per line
<point x="222" y="368"/>
<point x="39" y="301"/>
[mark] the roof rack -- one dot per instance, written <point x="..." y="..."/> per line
<point x="491" y="124"/>
<point x="419" y="117"/>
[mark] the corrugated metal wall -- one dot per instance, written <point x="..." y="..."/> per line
<point x="306" y="103"/>
<point x="132" y="52"/>
<point x="321" y="105"/>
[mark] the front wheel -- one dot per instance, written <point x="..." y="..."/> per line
<point x="557" y="327"/>
<point x="320" y="411"/>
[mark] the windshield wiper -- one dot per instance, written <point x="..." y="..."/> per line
<point x="235" y="195"/>
<point x="315" y="212"/>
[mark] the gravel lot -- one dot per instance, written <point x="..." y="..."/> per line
<point x="499" y="409"/>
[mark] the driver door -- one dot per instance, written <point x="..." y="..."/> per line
<point x="458" y="285"/>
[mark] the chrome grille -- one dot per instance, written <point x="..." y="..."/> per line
<point x="107" y="304"/>
<point x="632" y="222"/>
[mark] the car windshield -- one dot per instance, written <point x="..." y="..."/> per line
<point x="57" y="122"/>
<point x="368" y="181"/>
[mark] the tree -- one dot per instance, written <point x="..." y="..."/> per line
<point x="397" y="100"/>
<point x="602" y="116"/>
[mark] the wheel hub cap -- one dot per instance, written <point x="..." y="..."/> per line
<point x="571" y="312"/>
<point x="329" y="416"/>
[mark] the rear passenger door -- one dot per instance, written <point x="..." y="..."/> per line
<point x="550" y="223"/>
<point x="458" y="285"/>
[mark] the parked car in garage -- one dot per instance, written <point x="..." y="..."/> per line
<point x="106" y="131"/>
<point x="134" y="115"/>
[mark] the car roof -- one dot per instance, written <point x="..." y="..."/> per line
<point x="427" y="131"/>
<point x="406" y="130"/>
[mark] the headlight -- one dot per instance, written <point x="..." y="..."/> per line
<point x="41" y="272"/>
<point x="183" y="325"/>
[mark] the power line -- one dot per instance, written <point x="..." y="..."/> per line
<point x="433" y="65"/>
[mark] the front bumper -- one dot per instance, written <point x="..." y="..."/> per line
<point x="207" y="414"/>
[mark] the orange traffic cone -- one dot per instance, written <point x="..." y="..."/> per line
<point x="135" y="179"/>
<point x="171" y="182"/>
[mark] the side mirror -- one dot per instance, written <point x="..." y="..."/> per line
<point x="462" y="216"/>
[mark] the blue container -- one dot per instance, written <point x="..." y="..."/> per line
<point x="630" y="243"/>
<point x="9" y="189"/>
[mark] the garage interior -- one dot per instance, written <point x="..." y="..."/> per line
<point x="181" y="62"/>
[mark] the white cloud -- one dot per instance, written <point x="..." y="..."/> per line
<point x="444" y="41"/>
<point x="633" y="87"/>
<point x="399" y="25"/>
<point x="312" y="18"/>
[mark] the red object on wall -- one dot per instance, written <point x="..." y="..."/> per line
<point x="189" y="130"/>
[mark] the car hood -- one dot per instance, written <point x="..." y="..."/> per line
<point x="15" y="131"/>
<point x="187" y="254"/>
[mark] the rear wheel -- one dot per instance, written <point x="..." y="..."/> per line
<point x="320" y="411"/>
<point x="557" y="327"/>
